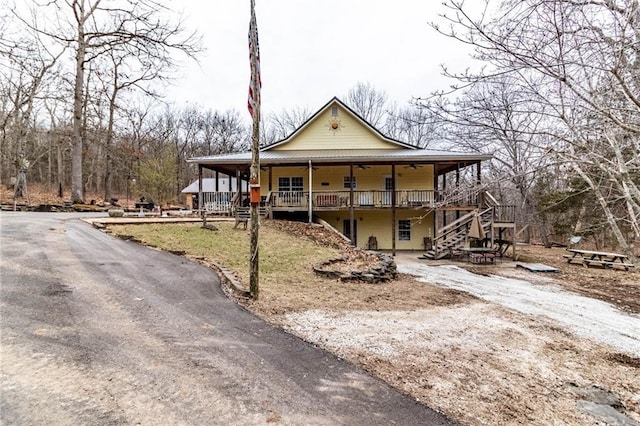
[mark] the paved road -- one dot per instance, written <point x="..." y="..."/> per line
<point x="95" y="330"/>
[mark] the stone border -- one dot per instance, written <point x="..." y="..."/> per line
<point x="227" y="278"/>
<point x="383" y="272"/>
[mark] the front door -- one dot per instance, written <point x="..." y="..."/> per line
<point x="346" y="230"/>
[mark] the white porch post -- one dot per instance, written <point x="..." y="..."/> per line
<point x="200" y="204"/>
<point x="310" y="192"/>
<point x="352" y="224"/>
<point x="393" y="209"/>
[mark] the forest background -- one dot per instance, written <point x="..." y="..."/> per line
<point x="556" y="101"/>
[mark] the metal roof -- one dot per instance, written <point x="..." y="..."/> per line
<point x="346" y="156"/>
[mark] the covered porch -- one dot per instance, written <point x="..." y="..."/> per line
<point x="349" y="181"/>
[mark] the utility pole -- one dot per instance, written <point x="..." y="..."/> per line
<point x="254" y="177"/>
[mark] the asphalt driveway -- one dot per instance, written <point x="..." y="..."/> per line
<point x="95" y="330"/>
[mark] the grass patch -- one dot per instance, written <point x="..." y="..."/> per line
<point x="285" y="260"/>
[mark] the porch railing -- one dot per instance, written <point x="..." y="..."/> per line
<point x="220" y="202"/>
<point x="367" y="198"/>
<point x="504" y="214"/>
<point x="217" y="202"/>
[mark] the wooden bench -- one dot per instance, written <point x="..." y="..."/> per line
<point x="482" y="257"/>
<point x="604" y="263"/>
<point x="490" y="257"/>
<point x="590" y="258"/>
<point x="243" y="214"/>
<point x="144" y="205"/>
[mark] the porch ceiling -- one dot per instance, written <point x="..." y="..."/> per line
<point x="444" y="161"/>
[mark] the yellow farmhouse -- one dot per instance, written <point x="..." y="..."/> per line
<point x="337" y="168"/>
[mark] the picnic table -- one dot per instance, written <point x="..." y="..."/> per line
<point x="480" y="254"/>
<point x="601" y="258"/>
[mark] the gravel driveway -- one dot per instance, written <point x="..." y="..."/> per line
<point x="537" y="295"/>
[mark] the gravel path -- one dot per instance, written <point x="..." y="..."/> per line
<point x="583" y="316"/>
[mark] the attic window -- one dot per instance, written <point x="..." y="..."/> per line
<point x="334" y="111"/>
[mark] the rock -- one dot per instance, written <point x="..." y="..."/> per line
<point x="116" y="213"/>
<point x="605" y="414"/>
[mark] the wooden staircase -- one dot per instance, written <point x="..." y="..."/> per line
<point x="496" y="222"/>
<point x="454" y="235"/>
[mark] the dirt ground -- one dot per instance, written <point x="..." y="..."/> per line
<point x="477" y="361"/>
<point x="611" y="285"/>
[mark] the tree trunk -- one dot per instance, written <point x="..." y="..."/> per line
<point x="77" y="193"/>
<point x="60" y="168"/>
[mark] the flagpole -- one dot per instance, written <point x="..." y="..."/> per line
<point x="254" y="178"/>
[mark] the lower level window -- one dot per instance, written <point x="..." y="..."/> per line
<point x="404" y="230"/>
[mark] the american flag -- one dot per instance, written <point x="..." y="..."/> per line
<point x="255" y="84"/>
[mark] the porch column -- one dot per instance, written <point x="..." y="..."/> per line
<point x="229" y="184"/>
<point x="217" y="182"/>
<point x="437" y="199"/>
<point x="310" y="193"/>
<point x="480" y="199"/>
<point x="238" y="187"/>
<point x="200" y="203"/>
<point x="393" y="209"/>
<point x="458" y="186"/>
<point x="270" y="178"/>
<point x="444" y="189"/>
<point x="351" y="213"/>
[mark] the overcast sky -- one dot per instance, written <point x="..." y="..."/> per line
<point x="312" y="50"/>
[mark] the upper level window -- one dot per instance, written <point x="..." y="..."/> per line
<point x="334" y="111"/>
<point x="348" y="181"/>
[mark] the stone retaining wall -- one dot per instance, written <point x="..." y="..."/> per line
<point x="383" y="271"/>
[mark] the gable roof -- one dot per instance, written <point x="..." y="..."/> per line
<point x="356" y="116"/>
<point x="396" y="152"/>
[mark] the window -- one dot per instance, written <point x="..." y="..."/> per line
<point x="347" y="181"/>
<point x="290" y="184"/>
<point x="334" y="111"/>
<point x="404" y="230"/>
<point x="388" y="183"/>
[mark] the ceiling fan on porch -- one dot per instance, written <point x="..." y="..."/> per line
<point x="413" y="166"/>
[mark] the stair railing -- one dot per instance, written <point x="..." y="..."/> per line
<point x="457" y="228"/>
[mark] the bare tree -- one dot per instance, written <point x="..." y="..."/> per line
<point x="577" y="60"/>
<point x="125" y="73"/>
<point x="368" y="102"/>
<point x="413" y="124"/>
<point x="26" y="69"/>
<point x="96" y="27"/>
<point x="222" y="133"/>
<point x="282" y="124"/>
<point x="495" y="117"/>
